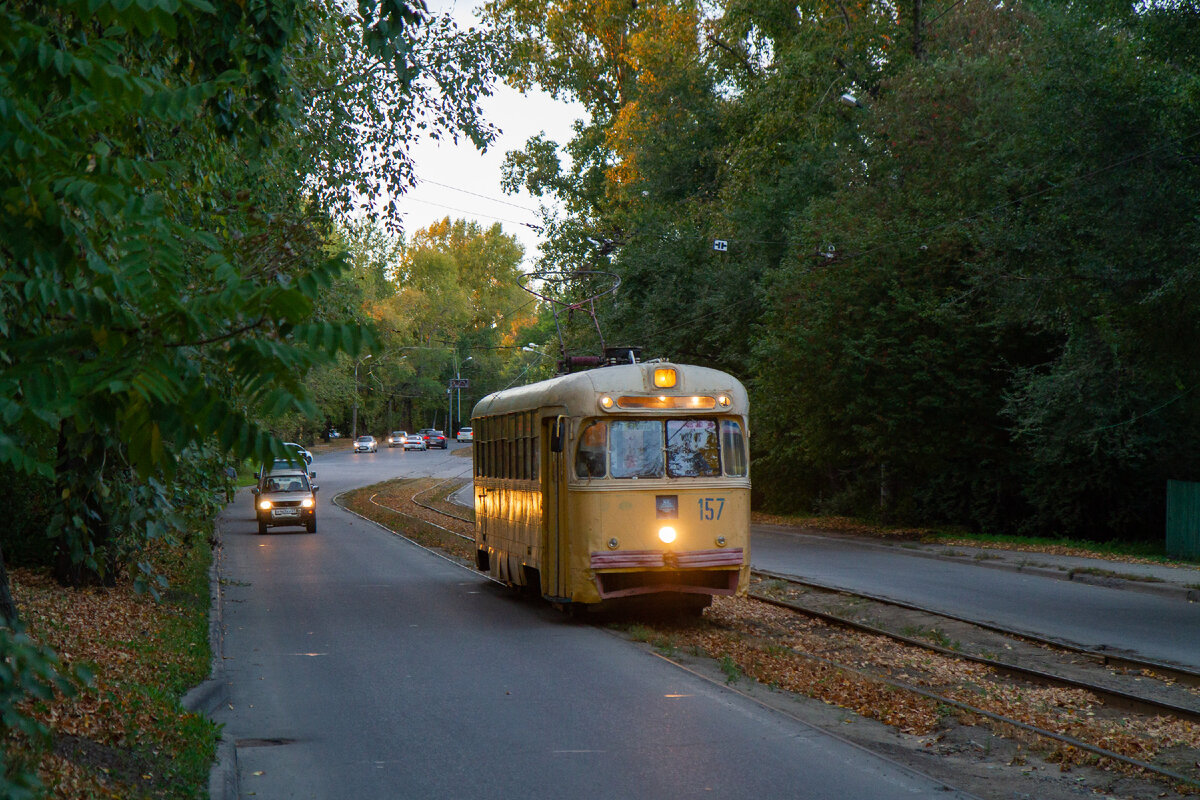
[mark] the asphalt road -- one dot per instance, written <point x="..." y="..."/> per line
<point x="1098" y="617"/>
<point x="361" y="666"/>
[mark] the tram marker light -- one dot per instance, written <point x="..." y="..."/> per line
<point x="613" y="543"/>
<point x="723" y="401"/>
<point x="665" y="377"/>
<point x="720" y="541"/>
<point x="606" y="402"/>
<point x="667" y="534"/>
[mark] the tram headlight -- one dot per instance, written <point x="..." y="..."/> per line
<point x="667" y="534"/>
<point x="606" y="402"/>
<point x="720" y="541"/>
<point x="613" y="544"/>
<point x="664" y="377"/>
<point x="723" y="401"/>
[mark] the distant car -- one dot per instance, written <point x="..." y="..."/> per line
<point x="415" y="441"/>
<point x="465" y="435"/>
<point x="397" y="439"/>
<point x="433" y="438"/>
<point x="285" y="497"/>
<point x="333" y="434"/>
<point x="366" y="444"/>
<point x="292" y="447"/>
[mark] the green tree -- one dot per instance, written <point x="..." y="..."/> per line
<point x="168" y="171"/>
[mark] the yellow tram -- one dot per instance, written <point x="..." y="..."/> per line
<point x="623" y="480"/>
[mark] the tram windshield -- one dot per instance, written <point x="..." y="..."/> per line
<point x="652" y="448"/>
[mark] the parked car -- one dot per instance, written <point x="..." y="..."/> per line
<point x="433" y="438"/>
<point x="292" y="447"/>
<point x="415" y="441"/>
<point x="465" y="435"/>
<point x="366" y="444"/>
<point x="333" y="434"/>
<point x="396" y="439"/>
<point x="286" y="497"/>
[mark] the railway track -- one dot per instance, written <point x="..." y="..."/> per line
<point x="431" y="490"/>
<point x="1140" y="678"/>
<point x="1174" y="672"/>
<point x="1117" y="697"/>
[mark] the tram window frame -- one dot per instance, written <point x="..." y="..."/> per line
<point x="527" y="446"/>
<point x="479" y="448"/>
<point x="490" y="468"/>
<point x="734" y="460"/>
<point x="627" y="471"/>
<point x="517" y="446"/>
<point x="523" y="447"/>
<point x="678" y="451"/>
<point x="589" y="449"/>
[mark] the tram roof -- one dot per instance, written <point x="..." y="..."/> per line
<point x="577" y="391"/>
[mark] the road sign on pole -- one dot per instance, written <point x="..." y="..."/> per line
<point x="460" y="383"/>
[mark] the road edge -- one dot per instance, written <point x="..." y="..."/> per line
<point x="211" y="694"/>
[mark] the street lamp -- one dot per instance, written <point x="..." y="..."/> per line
<point x="354" y="415"/>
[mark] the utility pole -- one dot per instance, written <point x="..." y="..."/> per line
<point x="354" y="414"/>
<point x="458" y="384"/>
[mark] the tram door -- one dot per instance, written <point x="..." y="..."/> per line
<point x="555" y="549"/>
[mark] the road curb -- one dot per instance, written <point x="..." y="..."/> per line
<point x="213" y="693"/>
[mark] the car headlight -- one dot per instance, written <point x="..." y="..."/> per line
<point x="307" y="502"/>
<point x="265" y="505"/>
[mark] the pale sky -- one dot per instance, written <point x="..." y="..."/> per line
<point x="462" y="183"/>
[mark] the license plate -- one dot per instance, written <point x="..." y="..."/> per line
<point x="286" y="512"/>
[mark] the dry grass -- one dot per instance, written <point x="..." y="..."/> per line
<point x="126" y="735"/>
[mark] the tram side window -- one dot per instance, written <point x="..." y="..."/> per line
<point x="733" y="447"/>
<point x="637" y="449"/>
<point x="589" y="458"/>
<point x="692" y="448"/>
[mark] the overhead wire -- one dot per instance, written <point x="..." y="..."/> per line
<point x="537" y="228"/>
<point x="477" y="194"/>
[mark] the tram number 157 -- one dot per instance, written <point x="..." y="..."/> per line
<point x="710" y="507"/>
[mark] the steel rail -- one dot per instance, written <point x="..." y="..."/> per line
<point x="1183" y="675"/>
<point x="1025" y="726"/>
<point x="371" y="499"/>
<point x="1012" y="668"/>
<point x="438" y="510"/>
<point x="1115" y="697"/>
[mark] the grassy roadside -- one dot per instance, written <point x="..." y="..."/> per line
<point x="126" y="735"/>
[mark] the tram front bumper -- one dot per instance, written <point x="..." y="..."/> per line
<point x="629" y="572"/>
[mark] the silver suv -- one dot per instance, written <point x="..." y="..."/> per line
<point x="286" y="497"/>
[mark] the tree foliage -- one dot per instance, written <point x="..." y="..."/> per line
<point x="959" y="245"/>
<point x="170" y="175"/>
<point x="446" y="302"/>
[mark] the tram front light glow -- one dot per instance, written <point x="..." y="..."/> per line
<point x="723" y="401"/>
<point x="606" y="402"/>
<point x="664" y="377"/>
<point x="667" y="534"/>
